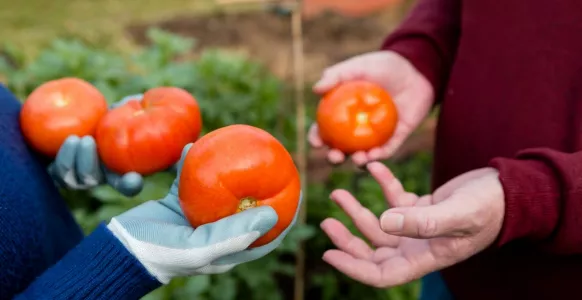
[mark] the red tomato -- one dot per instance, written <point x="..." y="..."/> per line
<point x="235" y="168"/>
<point x="356" y="116"/>
<point x="148" y="136"/>
<point x="60" y="108"/>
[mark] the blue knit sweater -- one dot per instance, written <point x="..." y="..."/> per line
<point x="43" y="254"/>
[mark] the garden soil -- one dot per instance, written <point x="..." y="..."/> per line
<point x="266" y="36"/>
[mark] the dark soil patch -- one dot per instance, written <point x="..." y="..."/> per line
<point x="266" y="37"/>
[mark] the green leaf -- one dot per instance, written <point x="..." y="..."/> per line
<point x="224" y="288"/>
<point x="196" y="285"/>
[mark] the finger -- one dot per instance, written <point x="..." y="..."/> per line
<point x="335" y="75"/>
<point x="375" y="154"/>
<point x="361" y="270"/>
<point x="329" y="79"/>
<point x="183" y="157"/>
<point x="174" y="188"/>
<point x="314" y="138"/>
<point x="335" y="156"/>
<point x="392" y="188"/>
<point x="437" y="220"/>
<point x="87" y="162"/>
<point x="360" y="158"/>
<point x="366" y="222"/>
<point x="128" y="184"/>
<point x="65" y="161"/>
<point x="236" y="233"/>
<point x="344" y="240"/>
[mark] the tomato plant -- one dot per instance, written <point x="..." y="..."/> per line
<point x="356" y="116"/>
<point x="148" y="135"/>
<point x="60" y="108"/>
<point x="235" y="168"/>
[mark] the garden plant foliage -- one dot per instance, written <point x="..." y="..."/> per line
<point x="230" y="89"/>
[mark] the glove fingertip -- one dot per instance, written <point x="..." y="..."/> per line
<point x="264" y="218"/>
<point x="130" y="184"/>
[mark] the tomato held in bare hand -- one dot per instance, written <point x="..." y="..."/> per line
<point x="235" y="168"/>
<point x="60" y="108"/>
<point x="356" y="116"/>
<point x="148" y="136"/>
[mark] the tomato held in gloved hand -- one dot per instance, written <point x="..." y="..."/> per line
<point x="236" y="168"/>
<point x="148" y="135"/>
<point x="58" y="109"/>
<point x="356" y="116"/>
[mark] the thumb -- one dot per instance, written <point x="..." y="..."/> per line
<point x="236" y="232"/>
<point x="178" y="166"/>
<point x="442" y="219"/>
<point x="334" y="76"/>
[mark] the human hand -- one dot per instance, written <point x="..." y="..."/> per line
<point x="158" y="234"/>
<point x="413" y="96"/>
<point x="418" y="235"/>
<point x="77" y="166"/>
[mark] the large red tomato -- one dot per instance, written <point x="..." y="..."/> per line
<point x="148" y="136"/>
<point x="60" y="108"/>
<point x="356" y="116"/>
<point x="235" y="168"/>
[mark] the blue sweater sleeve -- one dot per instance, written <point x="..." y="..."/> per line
<point x="99" y="267"/>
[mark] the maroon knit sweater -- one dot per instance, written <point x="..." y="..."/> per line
<point x="509" y="78"/>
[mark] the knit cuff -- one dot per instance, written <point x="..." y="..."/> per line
<point x="100" y="267"/>
<point x="423" y="55"/>
<point x="531" y="199"/>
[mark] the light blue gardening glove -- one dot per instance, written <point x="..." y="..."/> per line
<point x="77" y="166"/>
<point x="160" y="237"/>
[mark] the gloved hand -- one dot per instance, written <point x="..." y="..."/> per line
<point x="77" y="166"/>
<point x="160" y="237"/>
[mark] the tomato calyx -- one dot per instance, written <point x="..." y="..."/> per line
<point x="246" y="203"/>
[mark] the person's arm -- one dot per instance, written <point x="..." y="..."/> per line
<point x="100" y="267"/>
<point x="428" y="38"/>
<point x="543" y="199"/>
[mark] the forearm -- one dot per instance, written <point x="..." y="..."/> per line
<point x="428" y="38"/>
<point x="98" y="268"/>
<point x="543" y="199"/>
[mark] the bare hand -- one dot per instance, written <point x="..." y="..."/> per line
<point x="412" y="93"/>
<point x="418" y="235"/>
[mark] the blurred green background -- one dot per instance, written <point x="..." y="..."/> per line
<point x="237" y="62"/>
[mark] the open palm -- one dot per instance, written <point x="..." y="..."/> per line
<point x="412" y="93"/>
<point x="436" y="231"/>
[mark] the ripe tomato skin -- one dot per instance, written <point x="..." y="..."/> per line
<point x="235" y="162"/>
<point x="356" y="116"/>
<point x="148" y="136"/>
<point x="60" y="108"/>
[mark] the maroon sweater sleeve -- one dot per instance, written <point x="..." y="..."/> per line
<point x="428" y="39"/>
<point x="543" y="199"/>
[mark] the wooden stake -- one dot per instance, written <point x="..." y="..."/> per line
<point x="298" y="65"/>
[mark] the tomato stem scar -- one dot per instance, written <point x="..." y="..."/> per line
<point x="246" y="203"/>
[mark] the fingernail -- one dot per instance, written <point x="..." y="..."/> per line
<point x="391" y="222"/>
